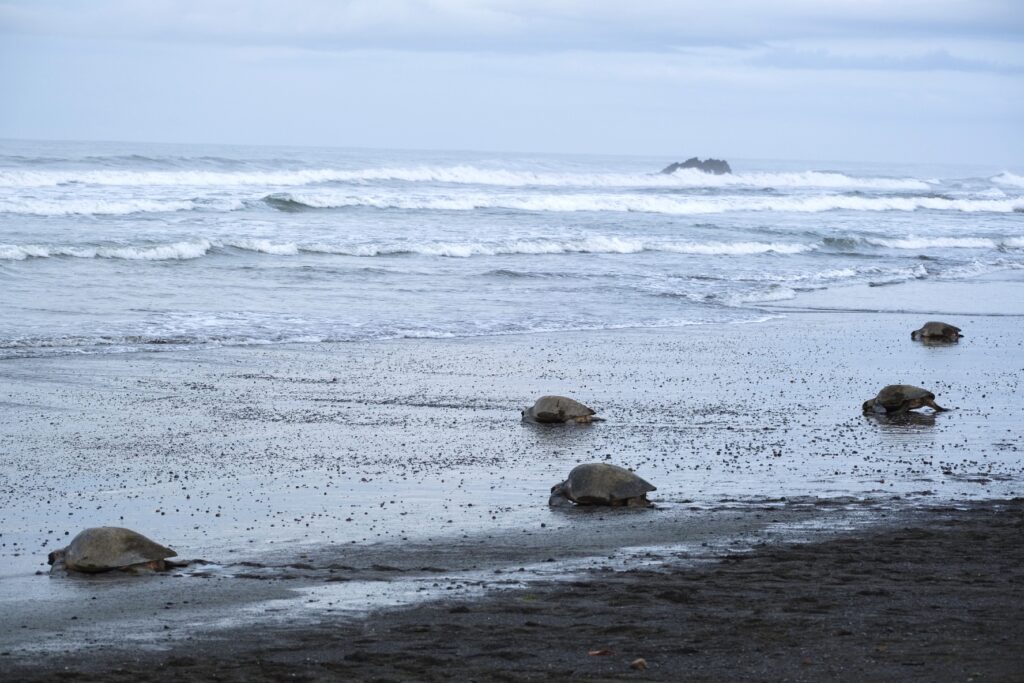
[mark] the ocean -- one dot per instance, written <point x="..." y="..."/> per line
<point x="125" y="247"/>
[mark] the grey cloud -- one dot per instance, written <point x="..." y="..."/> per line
<point x="510" y="25"/>
<point x="933" y="60"/>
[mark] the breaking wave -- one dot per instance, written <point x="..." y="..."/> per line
<point x="936" y="242"/>
<point x="599" y="244"/>
<point x="595" y="244"/>
<point x="534" y="202"/>
<point x="104" y="207"/>
<point x="1007" y="178"/>
<point x="159" y="252"/>
<point x="844" y="274"/>
<point x="587" y="245"/>
<point x="264" y="246"/>
<point x="811" y="179"/>
<point x="640" y="203"/>
<point x="460" y="174"/>
<point x="922" y="243"/>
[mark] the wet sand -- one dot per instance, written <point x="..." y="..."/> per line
<point x="323" y="483"/>
<point x="933" y="595"/>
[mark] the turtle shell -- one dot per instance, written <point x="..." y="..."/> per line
<point x="557" y="409"/>
<point x="894" y="396"/>
<point x="101" y="548"/>
<point x="603" y="484"/>
<point x="939" y="329"/>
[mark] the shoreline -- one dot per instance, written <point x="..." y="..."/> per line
<point x="982" y="295"/>
<point x="931" y="595"/>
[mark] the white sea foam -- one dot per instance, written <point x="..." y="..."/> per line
<point x="584" y="245"/>
<point x="647" y="203"/>
<point x="459" y="174"/>
<point x="1007" y="178"/>
<point x="839" y="274"/>
<point x="935" y="243"/>
<point x="265" y="246"/>
<point x="158" y="252"/>
<point x="15" y="252"/>
<point x="527" y="201"/>
<point x="594" y="244"/>
<point x="106" y="207"/>
<point x="161" y="252"/>
<point x="736" y="248"/>
<point x="821" y="179"/>
<point x="764" y="296"/>
<point x="976" y="268"/>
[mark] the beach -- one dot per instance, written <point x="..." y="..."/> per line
<point x="933" y="596"/>
<point x="336" y="498"/>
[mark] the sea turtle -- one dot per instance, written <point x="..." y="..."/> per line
<point x="601" y="484"/>
<point x="899" y="398"/>
<point x="559" y="409"/>
<point x="103" y="548"/>
<point x="936" y="331"/>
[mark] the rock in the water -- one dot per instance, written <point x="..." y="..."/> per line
<point x="716" y="166"/>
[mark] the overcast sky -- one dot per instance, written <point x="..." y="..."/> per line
<point x="883" y="80"/>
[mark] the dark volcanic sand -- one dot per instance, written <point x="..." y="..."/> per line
<point x="938" y="595"/>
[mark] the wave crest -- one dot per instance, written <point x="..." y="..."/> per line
<point x="584" y="245"/>
<point x="105" y="207"/>
<point x="588" y="245"/>
<point x="158" y="252"/>
<point x="456" y="175"/>
<point x="642" y="203"/>
<point x="1007" y="178"/>
<point x="595" y="244"/>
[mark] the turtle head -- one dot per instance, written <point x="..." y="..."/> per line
<point x="55" y="557"/>
<point x="872" y="407"/>
<point x="558" y="496"/>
